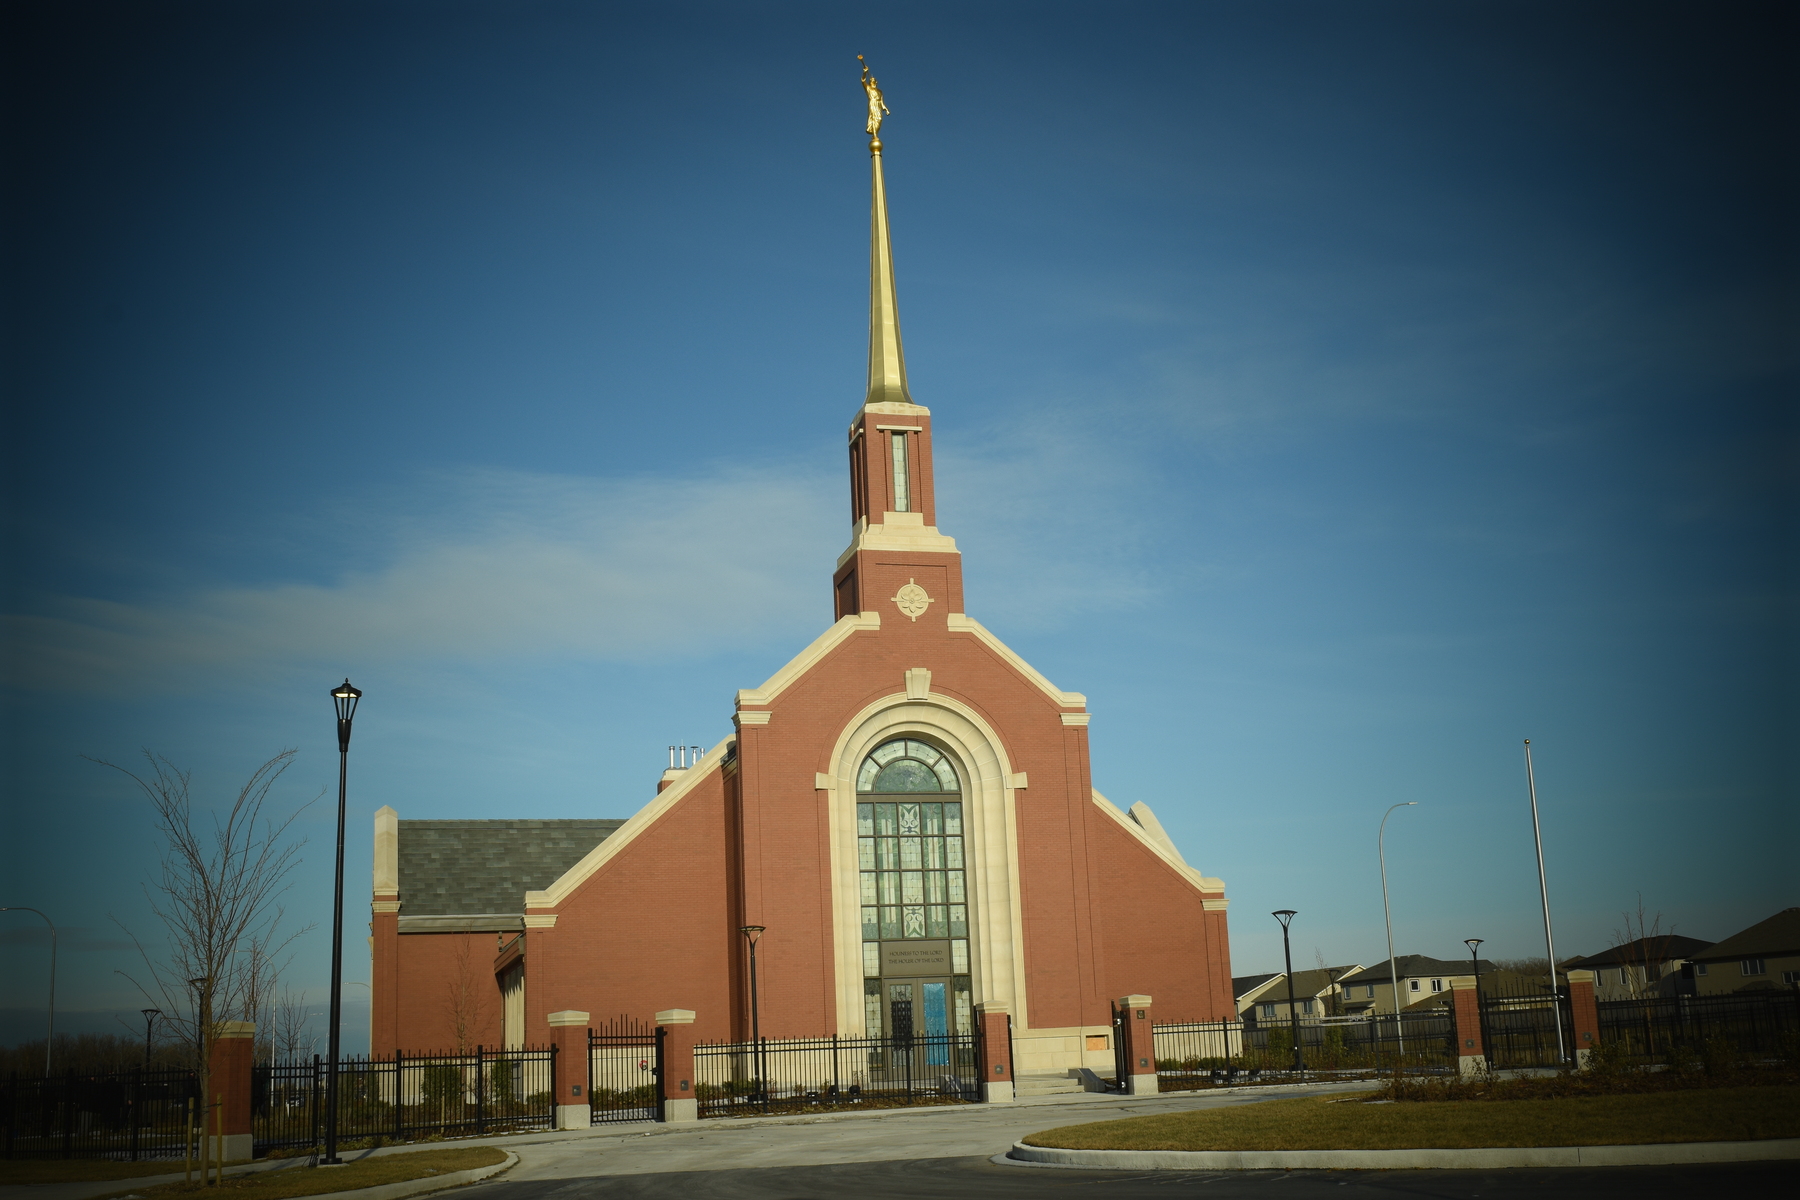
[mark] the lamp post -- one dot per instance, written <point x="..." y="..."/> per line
<point x="345" y="697"/>
<point x="1388" y="920"/>
<point x="1480" y="1015"/>
<point x="1286" y="915"/>
<point x="1537" y="836"/>
<point x="150" y="1015"/>
<point x="751" y="934"/>
<point x="50" y="1036"/>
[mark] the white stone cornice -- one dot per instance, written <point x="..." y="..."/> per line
<point x="808" y="658"/>
<point x="963" y="623"/>
<point x="899" y="531"/>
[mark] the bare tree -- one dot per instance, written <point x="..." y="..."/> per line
<point x="1645" y="947"/>
<point x="215" y="893"/>
<point x="467" y="997"/>
<point x="288" y="1022"/>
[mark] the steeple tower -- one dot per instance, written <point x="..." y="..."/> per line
<point x="887" y="357"/>
<point x="892" y="506"/>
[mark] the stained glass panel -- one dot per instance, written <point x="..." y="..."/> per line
<point x="913" y="920"/>
<point x="911" y="857"/>
<point x="865" y="820"/>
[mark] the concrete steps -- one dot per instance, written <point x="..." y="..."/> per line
<point x="1045" y="1085"/>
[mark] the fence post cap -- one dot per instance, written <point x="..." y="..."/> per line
<point x="1462" y="985"/>
<point x="1134" y="1002"/>
<point x="675" y="1016"/>
<point x="992" y="1008"/>
<point x="1579" y="976"/>
<point x="235" y="1029"/>
<point x="568" y="1016"/>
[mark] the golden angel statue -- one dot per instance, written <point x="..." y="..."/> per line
<point x="877" y="106"/>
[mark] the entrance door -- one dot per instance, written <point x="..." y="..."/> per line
<point x="919" y="1021"/>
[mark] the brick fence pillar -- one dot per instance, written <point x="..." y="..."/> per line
<point x="996" y="1053"/>
<point x="569" y="1033"/>
<point x="233" y="1059"/>
<point x="1465" y="1003"/>
<point x="1586" y="1015"/>
<point x="1140" y="1047"/>
<point x="680" y="1101"/>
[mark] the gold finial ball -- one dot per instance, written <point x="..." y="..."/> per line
<point x="874" y="145"/>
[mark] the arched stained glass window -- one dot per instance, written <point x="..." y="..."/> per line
<point x="909" y="827"/>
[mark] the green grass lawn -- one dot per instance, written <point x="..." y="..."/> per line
<point x="309" y="1181"/>
<point x="1352" y="1123"/>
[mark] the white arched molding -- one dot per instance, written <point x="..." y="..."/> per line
<point x="997" y="935"/>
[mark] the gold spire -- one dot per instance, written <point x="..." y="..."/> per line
<point x="887" y="360"/>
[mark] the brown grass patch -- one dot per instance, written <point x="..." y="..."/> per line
<point x="1358" y="1123"/>
<point x="311" y="1181"/>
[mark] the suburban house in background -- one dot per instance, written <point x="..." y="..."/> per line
<point x="1265" y="997"/>
<point x="1764" y="956"/>
<point x="1649" y="966"/>
<point x="1370" y="989"/>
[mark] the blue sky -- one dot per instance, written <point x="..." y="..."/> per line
<point x="1336" y="395"/>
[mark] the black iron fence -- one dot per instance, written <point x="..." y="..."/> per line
<point x="791" y="1074"/>
<point x="1190" y="1052"/>
<point x="1739" y="1025"/>
<point x="406" y="1096"/>
<point x="126" y="1116"/>
<point x="1526" y="1029"/>
<point x="624" y="1073"/>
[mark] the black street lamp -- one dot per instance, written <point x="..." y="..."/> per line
<point x="345" y="697"/>
<point x="751" y="934"/>
<point x="150" y="1015"/>
<point x="1480" y="1014"/>
<point x="1287" y="955"/>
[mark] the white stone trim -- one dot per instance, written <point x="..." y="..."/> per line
<point x="627" y="833"/>
<point x="997" y="936"/>
<point x="963" y="623"/>
<point x="808" y="658"/>
<point x="566" y="1017"/>
<point x="918" y="683"/>
<point x="896" y="532"/>
<point x="1076" y="718"/>
<point x="903" y="428"/>
<point x="384" y="906"/>
<point x="540" y="920"/>
<point x="387" y="852"/>
<point x="895" y="408"/>
<point x="1215" y="903"/>
<point x="1140" y="812"/>
<point x="1017" y="781"/>
<point x="823" y="782"/>
<point x="753" y="717"/>
<point x="1175" y="862"/>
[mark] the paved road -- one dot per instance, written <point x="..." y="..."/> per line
<point x="946" y="1152"/>
<point x="942" y="1178"/>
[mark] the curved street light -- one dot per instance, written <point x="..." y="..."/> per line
<point x="1388" y="920"/>
<point x="1285" y="916"/>
<point x="344" y="697"/>
<point x="753" y="933"/>
<point x="50" y="1037"/>
<point x="150" y="1015"/>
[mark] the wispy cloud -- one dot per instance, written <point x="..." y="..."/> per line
<point x="509" y="565"/>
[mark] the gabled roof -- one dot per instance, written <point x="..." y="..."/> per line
<point x="1780" y="934"/>
<point x="1243" y="985"/>
<point x="1663" y="948"/>
<point x="1411" y="966"/>
<point x="485" y="867"/>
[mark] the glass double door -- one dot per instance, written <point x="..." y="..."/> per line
<point x="918" y="1018"/>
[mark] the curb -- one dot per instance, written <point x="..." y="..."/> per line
<point x="418" y="1187"/>
<point x="1656" y="1154"/>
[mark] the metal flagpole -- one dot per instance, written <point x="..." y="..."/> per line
<point x="1544" y="891"/>
<point x="1393" y="979"/>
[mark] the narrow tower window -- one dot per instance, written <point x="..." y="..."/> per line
<point x="901" y="499"/>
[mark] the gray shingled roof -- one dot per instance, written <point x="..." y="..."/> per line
<point x="458" y="867"/>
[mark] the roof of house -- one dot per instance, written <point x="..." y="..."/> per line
<point x="1661" y="948"/>
<point x="468" y="867"/>
<point x="1414" y="965"/>
<point x="1780" y="934"/>
<point x="1243" y="985"/>
<point x="1307" y="984"/>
